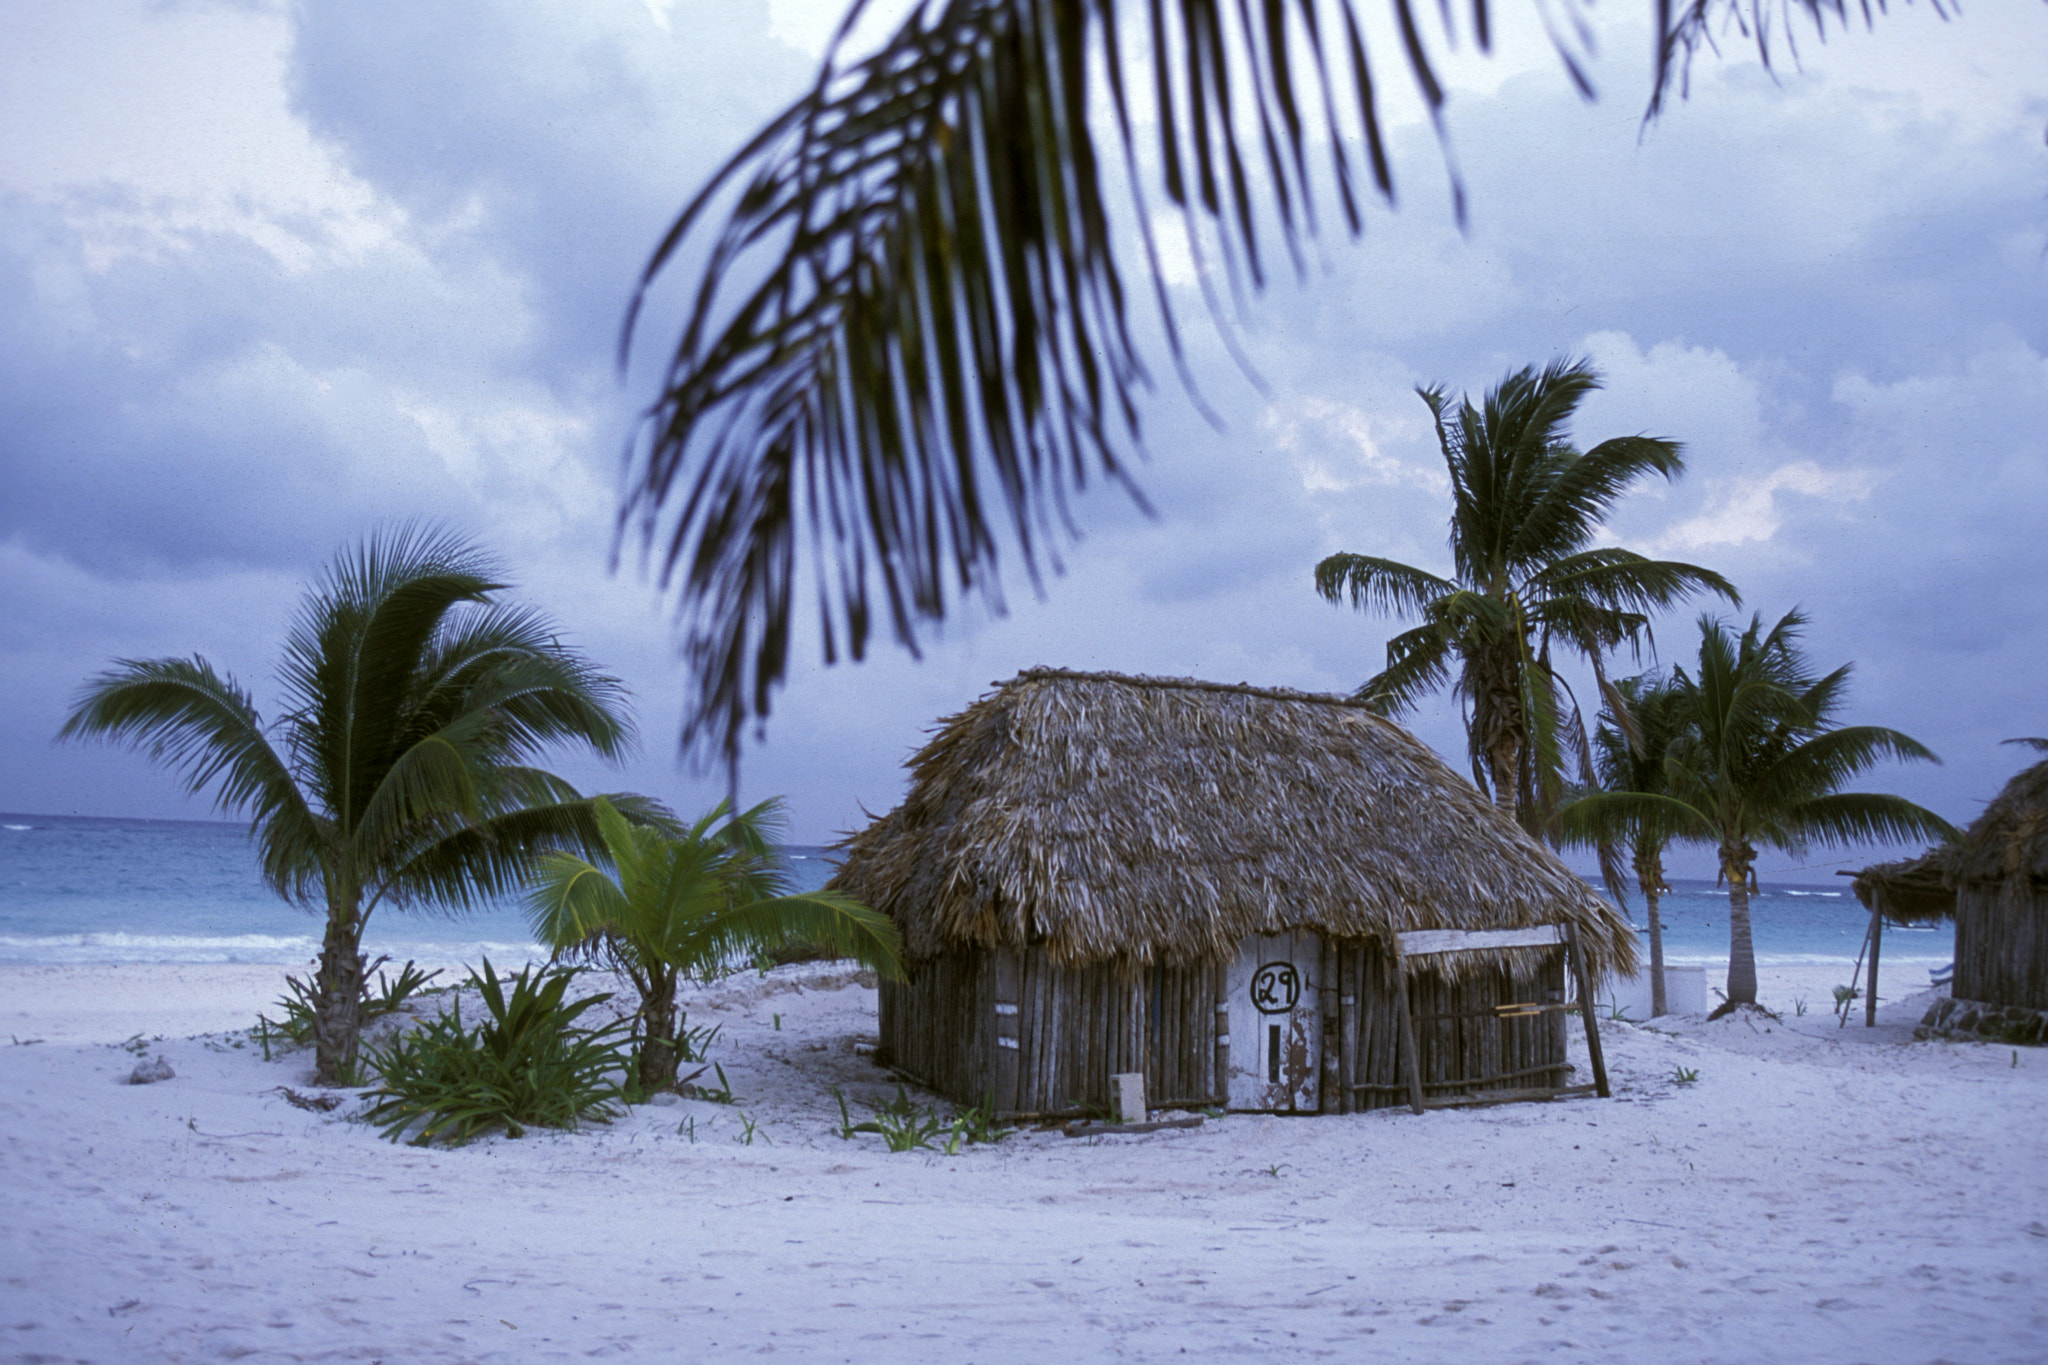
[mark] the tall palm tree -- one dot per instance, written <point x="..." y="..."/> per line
<point x="690" y="904"/>
<point x="1524" y="510"/>
<point x="908" y="334"/>
<point x="1645" y="717"/>
<point x="1762" y="762"/>
<point x="399" y="772"/>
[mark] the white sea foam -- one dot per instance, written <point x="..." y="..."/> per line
<point x="286" y="950"/>
<point x="17" y="827"/>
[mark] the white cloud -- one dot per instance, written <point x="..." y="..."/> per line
<point x="1747" y="510"/>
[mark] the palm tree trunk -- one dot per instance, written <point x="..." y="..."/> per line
<point x="1735" y="866"/>
<point x="1650" y="880"/>
<point x="657" y="1061"/>
<point x="1505" y="759"/>
<point x="338" y="1002"/>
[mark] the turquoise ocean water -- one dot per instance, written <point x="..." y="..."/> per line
<point x="74" y="889"/>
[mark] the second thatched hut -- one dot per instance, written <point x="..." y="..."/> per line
<point x="1258" y="898"/>
<point x="1994" y="883"/>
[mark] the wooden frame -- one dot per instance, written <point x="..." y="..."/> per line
<point x="1428" y="942"/>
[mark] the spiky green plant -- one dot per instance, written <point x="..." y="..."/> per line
<point x="527" y="1064"/>
<point x="689" y="904"/>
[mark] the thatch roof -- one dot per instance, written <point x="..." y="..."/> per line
<point x="2010" y="839"/>
<point x="2007" y="843"/>
<point x="1139" y="818"/>
<point x="1914" y="891"/>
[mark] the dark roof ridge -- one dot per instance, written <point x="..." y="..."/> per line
<point x="1047" y="671"/>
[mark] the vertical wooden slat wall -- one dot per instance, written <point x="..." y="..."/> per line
<point x="2002" y="943"/>
<point x="1451" y="1049"/>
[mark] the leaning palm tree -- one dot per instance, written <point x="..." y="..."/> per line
<point x="399" y="772"/>
<point x="691" y="904"/>
<point x="1525" y="581"/>
<point x="1644" y="718"/>
<point x="908" y="336"/>
<point x="1762" y="762"/>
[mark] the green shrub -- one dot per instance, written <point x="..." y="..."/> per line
<point x="530" y="1064"/>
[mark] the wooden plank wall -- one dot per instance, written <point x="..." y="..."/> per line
<point x="1180" y="1035"/>
<point x="1074" y="1027"/>
<point x="1454" y="1051"/>
<point x="2002" y="944"/>
<point x="936" y="1027"/>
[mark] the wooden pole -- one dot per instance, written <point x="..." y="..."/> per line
<point x="1411" y="1054"/>
<point x="1870" y="995"/>
<point x="1571" y="941"/>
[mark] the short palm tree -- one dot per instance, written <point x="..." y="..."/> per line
<point x="1761" y="763"/>
<point x="908" y="336"/>
<point x="399" y="773"/>
<point x="1525" y="507"/>
<point x="1645" y="717"/>
<point x="691" y="904"/>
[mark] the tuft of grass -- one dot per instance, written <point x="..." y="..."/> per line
<point x="905" y="1126"/>
<point x="718" y="1094"/>
<point x="528" y="1064"/>
<point x="299" y="1004"/>
<point x="1799" y="1005"/>
<point x="749" y="1130"/>
<point x="1685" y="1075"/>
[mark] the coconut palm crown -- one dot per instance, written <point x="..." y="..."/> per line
<point x="1761" y="763"/>
<point x="1526" y="579"/>
<point x="400" y="772"/>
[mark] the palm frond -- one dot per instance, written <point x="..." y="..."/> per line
<point x="1372" y="583"/>
<point x="1846" y="818"/>
<point x="187" y="717"/>
<point x="1418" y="662"/>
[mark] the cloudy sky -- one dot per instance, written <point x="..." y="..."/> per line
<point x="273" y="274"/>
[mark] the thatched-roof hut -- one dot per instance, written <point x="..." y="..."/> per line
<point x="1228" y="888"/>
<point x="1994" y="883"/>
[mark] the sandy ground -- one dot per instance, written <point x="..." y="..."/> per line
<point x="1817" y="1194"/>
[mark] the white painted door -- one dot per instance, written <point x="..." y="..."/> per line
<point x="1276" y="1026"/>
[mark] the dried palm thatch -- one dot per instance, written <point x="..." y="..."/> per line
<point x="2007" y="844"/>
<point x="1137" y="819"/>
<point x="2009" y="841"/>
<point x="1912" y="891"/>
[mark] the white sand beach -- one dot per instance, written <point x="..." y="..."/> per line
<point x="1817" y="1194"/>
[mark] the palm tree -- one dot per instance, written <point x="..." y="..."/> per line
<point x="1524" y="509"/>
<point x="1761" y="763"/>
<point x="690" y="904"/>
<point x="399" y="771"/>
<point x="907" y="336"/>
<point x="1645" y="717"/>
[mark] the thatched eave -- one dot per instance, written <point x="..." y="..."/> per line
<point x="1142" y="819"/>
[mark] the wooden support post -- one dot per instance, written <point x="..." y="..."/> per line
<point x="1586" y="1011"/>
<point x="1870" y="994"/>
<point x="1411" y="1053"/>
